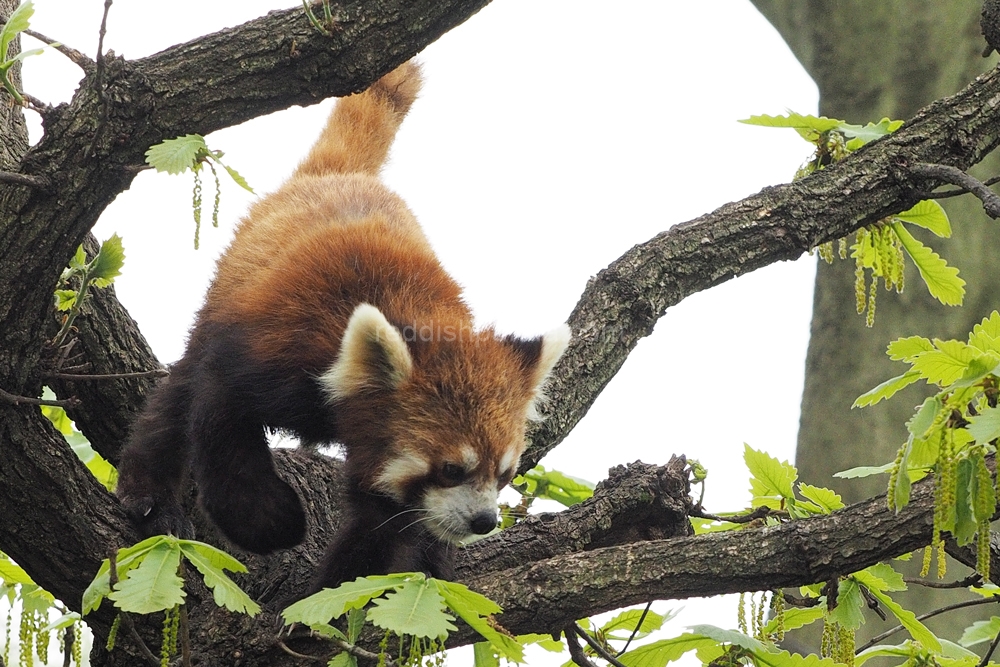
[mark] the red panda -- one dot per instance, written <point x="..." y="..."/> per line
<point x="330" y="317"/>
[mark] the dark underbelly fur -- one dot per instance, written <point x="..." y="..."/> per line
<point x="212" y="414"/>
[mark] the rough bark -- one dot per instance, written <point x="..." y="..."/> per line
<point x="59" y="522"/>
<point x="903" y="55"/>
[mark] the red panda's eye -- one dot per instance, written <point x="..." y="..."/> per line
<point x="452" y="473"/>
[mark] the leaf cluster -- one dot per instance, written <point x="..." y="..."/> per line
<point x="99" y="272"/>
<point x="952" y="431"/>
<point x="18" y="22"/>
<point x="407" y="604"/>
<point x="878" y="249"/>
<point x="148" y="581"/>
<point x="191" y="153"/>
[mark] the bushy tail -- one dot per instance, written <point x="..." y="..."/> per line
<point x="361" y="128"/>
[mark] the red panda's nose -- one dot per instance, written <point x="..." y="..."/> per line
<point x="483" y="522"/>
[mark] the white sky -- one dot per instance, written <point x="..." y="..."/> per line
<point x="550" y="137"/>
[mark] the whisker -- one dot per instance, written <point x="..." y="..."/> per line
<point x="415" y="509"/>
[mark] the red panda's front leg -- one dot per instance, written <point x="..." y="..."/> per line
<point x="381" y="536"/>
<point x="154" y="463"/>
<point x="238" y="485"/>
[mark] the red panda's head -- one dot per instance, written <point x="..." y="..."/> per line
<point x="434" y="415"/>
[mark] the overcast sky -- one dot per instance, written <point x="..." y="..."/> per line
<point x="550" y="137"/>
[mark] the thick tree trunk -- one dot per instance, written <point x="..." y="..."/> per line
<point x="872" y="60"/>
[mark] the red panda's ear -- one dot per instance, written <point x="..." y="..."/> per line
<point x="373" y="355"/>
<point x="553" y="345"/>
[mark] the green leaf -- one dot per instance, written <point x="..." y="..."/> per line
<point x="355" y="624"/>
<point x="484" y="655"/>
<point x="12" y="573"/>
<point x="65" y="299"/>
<point x="665" y="651"/>
<point x="942" y="280"/>
<point x="554" y="485"/>
<point x="770" y="480"/>
<point x="809" y="127"/>
<point x="786" y="659"/>
<point x="127" y="558"/>
<point x="861" y="135"/>
<point x="472" y="607"/>
<point x="906" y="618"/>
<point x="828" y="500"/>
<point x="930" y="215"/>
<point x="795" y="617"/>
<point x="923" y="418"/>
<point x="850" y="605"/>
<point x="63" y="621"/>
<point x="545" y="641"/>
<point x="18" y="22"/>
<point x="980" y="631"/>
<point x="985" y="426"/>
<point x="885" y="577"/>
<point x="109" y="261"/>
<point x="333" y="602"/>
<point x="907" y="349"/>
<point x="731" y="637"/>
<point x="240" y="181"/>
<point x="154" y="584"/>
<point x="628" y="620"/>
<point x="965" y="528"/>
<point x="886" y="390"/>
<point x="175" y="156"/>
<point x="98" y="466"/>
<point x="344" y="659"/>
<point x="985" y="336"/>
<point x="212" y="563"/>
<point x="415" y="608"/>
<point x="863" y="471"/>
<point x="946" y="364"/>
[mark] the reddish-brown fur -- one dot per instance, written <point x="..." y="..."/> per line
<point x="428" y="409"/>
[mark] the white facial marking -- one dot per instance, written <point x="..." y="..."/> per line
<point x="469" y="458"/>
<point x="509" y="461"/>
<point x="450" y="510"/>
<point x="399" y="471"/>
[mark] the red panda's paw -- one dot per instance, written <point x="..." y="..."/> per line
<point x="157" y="516"/>
<point x="262" y="517"/>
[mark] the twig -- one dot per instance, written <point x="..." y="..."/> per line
<point x="637" y="626"/>
<point x="955" y="176"/>
<point x="986" y="658"/>
<point x="99" y="81"/>
<point x="25" y="179"/>
<point x="68" y="638"/>
<point x="14" y="399"/>
<point x="575" y="650"/>
<point x="759" y="513"/>
<point x="952" y="607"/>
<point x="958" y="192"/>
<point x="80" y="377"/>
<point x="300" y="656"/>
<point x="79" y="59"/>
<point x="347" y="647"/>
<point x="100" y="40"/>
<point x="596" y="645"/>
<point x="971" y="580"/>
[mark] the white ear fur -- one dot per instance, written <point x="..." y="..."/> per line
<point x="373" y="355"/>
<point x="554" y="343"/>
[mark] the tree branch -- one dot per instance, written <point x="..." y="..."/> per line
<point x="955" y="176"/>
<point x="623" y="302"/>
